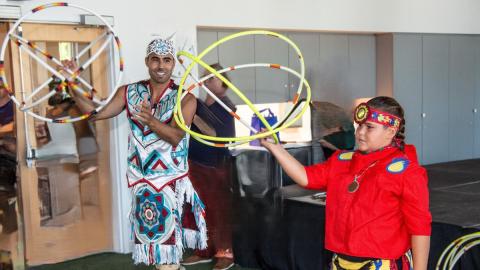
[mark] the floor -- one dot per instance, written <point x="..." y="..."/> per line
<point x="110" y="261"/>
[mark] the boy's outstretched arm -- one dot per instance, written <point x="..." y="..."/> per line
<point x="290" y="165"/>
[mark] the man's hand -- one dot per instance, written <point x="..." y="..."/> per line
<point x="113" y="108"/>
<point x="70" y="64"/>
<point x="144" y="113"/>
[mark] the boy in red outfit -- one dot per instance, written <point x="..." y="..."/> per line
<point x="377" y="212"/>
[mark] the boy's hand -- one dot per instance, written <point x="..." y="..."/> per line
<point x="266" y="141"/>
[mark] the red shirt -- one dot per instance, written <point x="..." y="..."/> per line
<point x="390" y="205"/>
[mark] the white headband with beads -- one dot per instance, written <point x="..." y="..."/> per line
<point x="161" y="47"/>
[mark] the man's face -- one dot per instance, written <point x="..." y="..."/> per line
<point x="160" y="67"/>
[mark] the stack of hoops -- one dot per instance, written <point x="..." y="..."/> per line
<point x="452" y="254"/>
<point x="72" y="80"/>
<point x="271" y="130"/>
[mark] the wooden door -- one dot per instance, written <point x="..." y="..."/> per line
<point x="66" y="203"/>
<point x="11" y="232"/>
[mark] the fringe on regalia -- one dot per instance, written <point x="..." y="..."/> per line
<point x="157" y="253"/>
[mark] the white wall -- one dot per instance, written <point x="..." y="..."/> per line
<point x="137" y="21"/>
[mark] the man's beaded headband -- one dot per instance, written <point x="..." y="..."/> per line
<point x="161" y="47"/>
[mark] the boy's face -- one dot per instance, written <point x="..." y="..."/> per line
<point x="371" y="136"/>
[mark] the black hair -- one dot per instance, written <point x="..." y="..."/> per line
<point x="391" y="106"/>
<point x="58" y="99"/>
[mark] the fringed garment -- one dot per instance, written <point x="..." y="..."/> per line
<point x="166" y="215"/>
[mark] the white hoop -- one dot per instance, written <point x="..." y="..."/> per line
<point x="21" y="42"/>
<point x="200" y="83"/>
<point x="270" y="130"/>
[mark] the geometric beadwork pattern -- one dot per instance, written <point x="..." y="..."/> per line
<point x="180" y="154"/>
<point x="364" y="113"/>
<point x="162" y="109"/>
<point x="151" y="159"/>
<point x="154" y="220"/>
<point x="153" y="164"/>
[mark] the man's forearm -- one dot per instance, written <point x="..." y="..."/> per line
<point x="166" y="132"/>
<point x="85" y="105"/>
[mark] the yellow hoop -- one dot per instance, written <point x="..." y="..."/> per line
<point x="197" y="60"/>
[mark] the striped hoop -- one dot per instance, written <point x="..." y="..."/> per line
<point x="233" y="141"/>
<point x="456" y="249"/>
<point x="31" y="49"/>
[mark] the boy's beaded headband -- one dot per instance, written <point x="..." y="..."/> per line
<point x="364" y="113"/>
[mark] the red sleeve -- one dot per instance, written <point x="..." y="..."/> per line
<point x="411" y="153"/>
<point x="317" y="174"/>
<point x="415" y="205"/>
